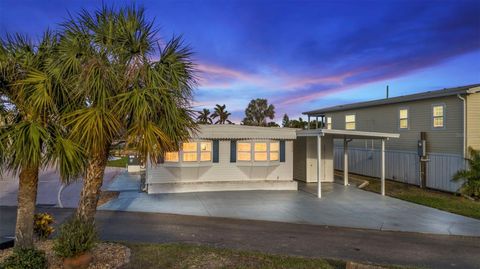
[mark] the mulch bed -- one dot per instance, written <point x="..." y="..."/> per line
<point x="105" y="255"/>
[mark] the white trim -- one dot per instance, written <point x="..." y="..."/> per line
<point x="408" y="118"/>
<point x="354" y="122"/>
<point x="444" y="116"/>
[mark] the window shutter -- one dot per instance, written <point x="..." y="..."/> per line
<point x="215" y="145"/>
<point x="282" y="151"/>
<point x="233" y="151"/>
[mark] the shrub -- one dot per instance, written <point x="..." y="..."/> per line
<point x="470" y="177"/>
<point x="75" y="237"/>
<point x="42" y="225"/>
<point x="26" y="258"/>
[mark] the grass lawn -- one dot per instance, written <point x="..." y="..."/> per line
<point x="193" y="256"/>
<point x="436" y="199"/>
<point x="122" y="162"/>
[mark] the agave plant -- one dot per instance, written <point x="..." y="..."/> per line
<point x="470" y="176"/>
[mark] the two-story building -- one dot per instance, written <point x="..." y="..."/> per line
<point x="449" y="118"/>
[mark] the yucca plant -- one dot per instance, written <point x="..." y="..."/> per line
<point x="131" y="87"/>
<point x="31" y="136"/>
<point x="470" y="176"/>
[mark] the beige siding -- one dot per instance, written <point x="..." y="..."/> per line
<point x="473" y="120"/>
<point x="385" y="118"/>
<point x="224" y="170"/>
<point x="299" y="158"/>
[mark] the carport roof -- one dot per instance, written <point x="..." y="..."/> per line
<point x="349" y="134"/>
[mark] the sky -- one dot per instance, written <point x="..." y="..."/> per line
<point x="300" y="55"/>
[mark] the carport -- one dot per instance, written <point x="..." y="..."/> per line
<point x="320" y="142"/>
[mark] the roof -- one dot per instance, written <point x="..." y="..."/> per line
<point x="349" y="134"/>
<point x="469" y="89"/>
<point x="239" y="132"/>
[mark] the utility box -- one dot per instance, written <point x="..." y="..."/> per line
<point x="134" y="164"/>
<point x="422" y="148"/>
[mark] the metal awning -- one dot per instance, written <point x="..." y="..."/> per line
<point x="347" y="136"/>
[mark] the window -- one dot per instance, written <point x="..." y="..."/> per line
<point x="171" y="156"/>
<point x="244" y="151"/>
<point x="205" y="151"/>
<point x="190" y="152"/>
<point x="438" y="116"/>
<point x="403" y="118"/>
<point x="350" y="122"/>
<point x="260" y="153"/>
<point x="329" y="123"/>
<point x="274" y="151"/>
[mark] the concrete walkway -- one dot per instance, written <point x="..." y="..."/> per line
<point x="340" y="206"/>
<point x="48" y="186"/>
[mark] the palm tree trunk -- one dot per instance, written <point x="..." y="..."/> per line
<point x="27" y="197"/>
<point x="91" y="187"/>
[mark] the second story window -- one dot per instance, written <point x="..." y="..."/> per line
<point x="328" y="123"/>
<point x="403" y="118"/>
<point x="350" y="122"/>
<point x="438" y="116"/>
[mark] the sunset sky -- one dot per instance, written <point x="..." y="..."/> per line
<point x="301" y="55"/>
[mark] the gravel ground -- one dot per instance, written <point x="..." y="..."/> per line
<point x="105" y="255"/>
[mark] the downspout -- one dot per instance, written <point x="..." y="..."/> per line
<point x="464" y="124"/>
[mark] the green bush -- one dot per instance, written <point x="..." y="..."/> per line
<point x="470" y="177"/>
<point x="27" y="258"/>
<point x="75" y="237"/>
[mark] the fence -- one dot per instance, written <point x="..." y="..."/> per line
<point x="403" y="166"/>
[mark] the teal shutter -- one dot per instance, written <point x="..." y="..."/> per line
<point x="215" y="145"/>
<point x="282" y="151"/>
<point x="233" y="151"/>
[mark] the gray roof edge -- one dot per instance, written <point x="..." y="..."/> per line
<point x="468" y="89"/>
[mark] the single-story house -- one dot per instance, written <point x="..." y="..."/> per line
<point x="239" y="157"/>
<point x="227" y="157"/>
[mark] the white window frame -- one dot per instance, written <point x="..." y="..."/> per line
<point x="199" y="151"/>
<point x="252" y="151"/>
<point x="328" y="122"/>
<point x="400" y="118"/>
<point x="354" y="122"/>
<point x="444" y="116"/>
<point x="243" y="151"/>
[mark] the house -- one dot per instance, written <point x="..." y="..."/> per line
<point x="448" y="118"/>
<point x="227" y="157"/>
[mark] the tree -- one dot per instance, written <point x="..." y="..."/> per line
<point x="131" y="89"/>
<point x="257" y="112"/>
<point x="204" y="117"/>
<point x="300" y="123"/>
<point x="471" y="176"/>
<point x="222" y="114"/>
<point x="31" y="134"/>
<point x="285" y="121"/>
<point x="272" y="124"/>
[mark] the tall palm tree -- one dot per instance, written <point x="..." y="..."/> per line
<point x="222" y="114"/>
<point x="131" y="88"/>
<point x="257" y="112"/>
<point x="30" y="136"/>
<point x="204" y="116"/>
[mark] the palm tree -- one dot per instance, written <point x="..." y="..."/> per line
<point x="204" y="117"/>
<point x="30" y="135"/>
<point x="471" y="176"/>
<point x="131" y="88"/>
<point x="222" y="114"/>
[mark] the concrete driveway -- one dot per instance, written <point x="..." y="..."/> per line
<point x="340" y="206"/>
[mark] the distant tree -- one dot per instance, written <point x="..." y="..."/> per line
<point x="222" y="114"/>
<point x="272" y="124"/>
<point x="285" y="121"/>
<point x="300" y="123"/>
<point x="257" y="112"/>
<point x="204" y="117"/>
<point x="470" y="177"/>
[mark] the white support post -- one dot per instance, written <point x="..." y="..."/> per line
<point x="319" y="165"/>
<point x="383" y="167"/>
<point x="345" y="162"/>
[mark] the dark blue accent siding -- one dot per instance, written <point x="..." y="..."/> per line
<point x="282" y="151"/>
<point x="215" y="145"/>
<point x="233" y="151"/>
